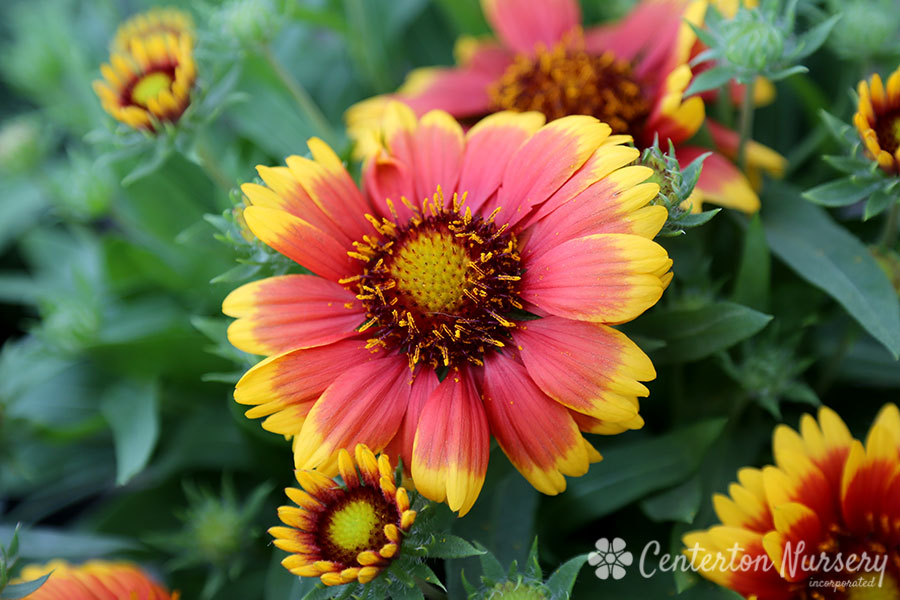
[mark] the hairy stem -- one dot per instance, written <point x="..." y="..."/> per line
<point x="746" y="124"/>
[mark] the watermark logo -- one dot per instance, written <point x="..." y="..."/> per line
<point x="611" y="558"/>
<point x="856" y="570"/>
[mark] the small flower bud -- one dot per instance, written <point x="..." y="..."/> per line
<point x="247" y="22"/>
<point x="753" y="44"/>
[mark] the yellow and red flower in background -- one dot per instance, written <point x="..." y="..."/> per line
<point x="411" y="334"/>
<point x="632" y="75"/>
<point x="828" y="495"/>
<point x="151" y="71"/>
<point x="345" y="533"/>
<point x="877" y="120"/>
<point x="94" y="580"/>
<point x="156" y="21"/>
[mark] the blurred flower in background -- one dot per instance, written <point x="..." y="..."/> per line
<point x="95" y="580"/>
<point x="632" y="75"/>
<point x="154" y="22"/>
<point x="877" y="120"/>
<point x="150" y="83"/>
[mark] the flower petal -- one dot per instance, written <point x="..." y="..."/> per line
<point x="460" y="91"/>
<point x="450" y="452"/>
<point x="795" y="524"/>
<point x="560" y="147"/>
<point x="300" y="241"/>
<point x="746" y="505"/>
<point x="608" y="158"/>
<point x="364" y="405"/>
<point x="590" y="368"/>
<point x="727" y="142"/>
<point x="605" y="278"/>
<point x="537" y="434"/>
<point x="436" y="157"/>
<point x="489" y="145"/>
<point x="287" y="385"/>
<point x="522" y="24"/>
<point x="674" y="118"/>
<point x="402" y="445"/>
<point x="290" y="311"/>
<point x="869" y="477"/>
<point x="720" y="181"/>
<point x="612" y="205"/>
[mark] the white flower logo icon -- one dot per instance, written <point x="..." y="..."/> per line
<point x="611" y="558"/>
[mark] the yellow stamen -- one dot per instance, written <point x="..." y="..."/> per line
<point x="566" y="80"/>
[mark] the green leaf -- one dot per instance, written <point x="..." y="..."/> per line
<point x="22" y="590"/>
<point x="694" y="333"/>
<point x="12" y="551"/>
<point x="132" y="414"/>
<point x="830" y="258"/>
<point x="44" y="543"/>
<point x="631" y="471"/>
<point x="562" y="581"/>
<point x="21" y="205"/>
<point x="879" y="201"/>
<point x="848" y="164"/>
<point x="751" y="287"/>
<point x="491" y="567"/>
<point x="680" y="503"/>
<point x="708" y="591"/>
<point x="840" y="130"/>
<point x="709" y="80"/>
<point x="423" y="572"/>
<point x="698" y="219"/>
<point x="466" y="16"/>
<point x="867" y="363"/>
<point x="451" y="546"/>
<point x="841" y="192"/>
<point x="810" y="41"/>
<point x="801" y="392"/>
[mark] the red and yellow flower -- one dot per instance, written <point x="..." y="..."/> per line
<point x="151" y="81"/>
<point x="411" y="334"/>
<point x="828" y="496"/>
<point x="349" y="531"/>
<point x="156" y="21"/>
<point x="877" y="120"/>
<point x="94" y="580"/>
<point x="631" y="74"/>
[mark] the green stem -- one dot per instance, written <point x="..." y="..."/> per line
<point x="211" y="167"/>
<point x="889" y="237"/>
<point x="830" y="371"/>
<point x="301" y="97"/>
<point x="746" y="124"/>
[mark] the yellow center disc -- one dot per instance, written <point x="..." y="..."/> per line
<point x="149" y="87"/>
<point x="430" y="271"/>
<point x="353" y="526"/>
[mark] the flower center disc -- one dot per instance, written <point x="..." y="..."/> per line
<point x="887" y="128"/>
<point x="438" y="287"/>
<point x="149" y="86"/>
<point x="354" y="524"/>
<point x="568" y="81"/>
<point x="871" y="591"/>
<point x="430" y="271"/>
